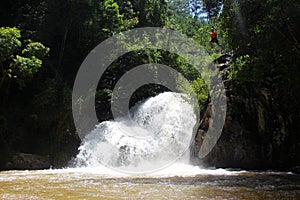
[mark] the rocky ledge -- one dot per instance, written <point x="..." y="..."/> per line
<point x="25" y="161"/>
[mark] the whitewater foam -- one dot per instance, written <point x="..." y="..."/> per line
<point x="157" y="133"/>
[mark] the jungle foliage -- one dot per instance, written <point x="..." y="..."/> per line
<point x="44" y="42"/>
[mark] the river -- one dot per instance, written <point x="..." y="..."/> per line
<point x="189" y="183"/>
<point x="146" y="157"/>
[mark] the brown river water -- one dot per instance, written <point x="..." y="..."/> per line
<point x="179" y="182"/>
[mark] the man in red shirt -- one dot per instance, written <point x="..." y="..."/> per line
<point x="214" y="39"/>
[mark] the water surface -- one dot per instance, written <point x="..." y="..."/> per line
<point x="191" y="183"/>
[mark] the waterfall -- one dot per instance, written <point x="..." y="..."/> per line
<point x="156" y="133"/>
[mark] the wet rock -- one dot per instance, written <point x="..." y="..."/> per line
<point x="4" y="154"/>
<point x="260" y="131"/>
<point x="26" y="161"/>
<point x="225" y="58"/>
<point x="296" y="169"/>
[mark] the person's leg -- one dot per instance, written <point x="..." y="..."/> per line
<point x="213" y="40"/>
<point x="217" y="41"/>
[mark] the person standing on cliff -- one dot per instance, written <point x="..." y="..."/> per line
<point x="214" y="38"/>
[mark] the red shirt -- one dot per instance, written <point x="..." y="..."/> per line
<point x="213" y="34"/>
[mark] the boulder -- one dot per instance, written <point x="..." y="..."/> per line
<point x="26" y="161"/>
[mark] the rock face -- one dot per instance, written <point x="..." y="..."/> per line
<point x="24" y="161"/>
<point x="38" y="142"/>
<point x="260" y="131"/>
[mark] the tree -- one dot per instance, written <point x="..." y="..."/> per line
<point x="269" y="38"/>
<point x="212" y="7"/>
<point x="264" y="73"/>
<point x="15" y="62"/>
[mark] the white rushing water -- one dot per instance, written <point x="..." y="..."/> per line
<point x="157" y="134"/>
